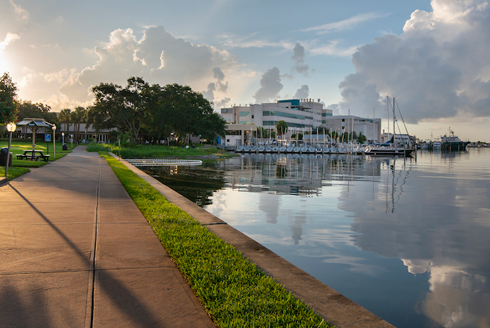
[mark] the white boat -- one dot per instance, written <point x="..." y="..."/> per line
<point x="392" y="149"/>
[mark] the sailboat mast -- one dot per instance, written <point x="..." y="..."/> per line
<point x="394" y="122"/>
<point x="388" y="111"/>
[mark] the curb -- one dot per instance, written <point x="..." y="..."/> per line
<point x="325" y="301"/>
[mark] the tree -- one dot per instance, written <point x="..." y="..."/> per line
<point x="321" y="130"/>
<point x="362" y="138"/>
<point x="78" y="116"/>
<point x="124" y="109"/>
<point x="8" y="104"/>
<point x="65" y="116"/>
<point x="179" y="109"/>
<point x="281" y="127"/>
<point x="38" y="110"/>
<point x="154" y="110"/>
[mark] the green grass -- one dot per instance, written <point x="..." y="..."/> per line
<point x="18" y="147"/>
<point x="158" y="151"/>
<point x="13" y="172"/>
<point x="20" y="167"/>
<point x="232" y="289"/>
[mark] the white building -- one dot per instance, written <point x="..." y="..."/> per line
<point x="370" y="127"/>
<point x="301" y="115"/>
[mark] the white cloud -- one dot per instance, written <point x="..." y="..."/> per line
<point x="345" y="24"/>
<point x="302" y="92"/>
<point x="270" y="86"/>
<point x="20" y="12"/>
<point x="158" y="57"/>
<point x="9" y="38"/>
<point x="332" y="49"/>
<point x="299" y="60"/>
<point x="438" y="68"/>
<point x="234" y="41"/>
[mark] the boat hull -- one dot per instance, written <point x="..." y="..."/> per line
<point x="454" y="145"/>
<point x="390" y="152"/>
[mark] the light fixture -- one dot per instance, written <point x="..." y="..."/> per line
<point x="11" y="127"/>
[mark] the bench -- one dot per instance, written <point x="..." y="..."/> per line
<point x="44" y="157"/>
<point x="33" y="156"/>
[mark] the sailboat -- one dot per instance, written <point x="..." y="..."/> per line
<point x="392" y="149"/>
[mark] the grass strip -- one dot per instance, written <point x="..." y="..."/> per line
<point x="232" y="289"/>
<point x="13" y="172"/>
<point x="160" y="151"/>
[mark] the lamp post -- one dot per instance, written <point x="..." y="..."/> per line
<point x="10" y="128"/>
<point x="54" y="135"/>
<point x="62" y="138"/>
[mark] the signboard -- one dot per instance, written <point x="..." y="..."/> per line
<point x="47" y="137"/>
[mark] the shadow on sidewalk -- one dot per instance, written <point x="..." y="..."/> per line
<point x="18" y="310"/>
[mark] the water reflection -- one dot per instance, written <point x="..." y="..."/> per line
<point x="441" y="227"/>
<point x="407" y="239"/>
<point x="196" y="184"/>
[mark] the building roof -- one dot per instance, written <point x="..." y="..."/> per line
<point x="35" y="122"/>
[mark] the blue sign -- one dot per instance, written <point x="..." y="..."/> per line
<point x="47" y="137"/>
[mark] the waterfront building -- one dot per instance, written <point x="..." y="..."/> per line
<point x="301" y="116"/>
<point x="370" y="127"/>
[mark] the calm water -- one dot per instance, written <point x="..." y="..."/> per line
<point x="407" y="239"/>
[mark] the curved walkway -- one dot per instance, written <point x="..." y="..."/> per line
<point x="75" y="251"/>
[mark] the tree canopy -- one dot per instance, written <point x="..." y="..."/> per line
<point x="38" y="110"/>
<point x="8" y="103"/>
<point x="281" y="127"/>
<point x="153" y="110"/>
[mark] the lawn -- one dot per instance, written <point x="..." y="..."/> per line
<point x="160" y="151"/>
<point x="20" y="167"/>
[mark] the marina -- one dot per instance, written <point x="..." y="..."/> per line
<point x="405" y="238"/>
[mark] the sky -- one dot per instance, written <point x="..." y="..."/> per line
<point x="432" y="56"/>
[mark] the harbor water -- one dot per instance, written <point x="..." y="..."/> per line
<point x="408" y="239"/>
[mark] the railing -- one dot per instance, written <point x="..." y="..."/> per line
<point x="163" y="162"/>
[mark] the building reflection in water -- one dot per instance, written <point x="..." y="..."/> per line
<point x="431" y="213"/>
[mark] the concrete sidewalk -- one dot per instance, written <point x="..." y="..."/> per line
<point x="75" y="251"/>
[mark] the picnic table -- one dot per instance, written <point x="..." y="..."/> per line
<point x="33" y="155"/>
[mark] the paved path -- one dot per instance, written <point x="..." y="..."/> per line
<point x="76" y="252"/>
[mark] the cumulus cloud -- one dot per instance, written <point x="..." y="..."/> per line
<point x="299" y="60"/>
<point x="302" y="92"/>
<point x="437" y="68"/>
<point x="209" y="93"/>
<point x="270" y="86"/>
<point x="158" y="57"/>
<point x="9" y="38"/>
<point x="220" y="87"/>
<point x="220" y="76"/>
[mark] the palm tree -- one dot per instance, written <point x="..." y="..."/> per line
<point x="281" y="127"/>
<point x="65" y="117"/>
<point x="78" y="116"/>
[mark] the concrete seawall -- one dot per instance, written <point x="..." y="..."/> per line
<point x="331" y="305"/>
